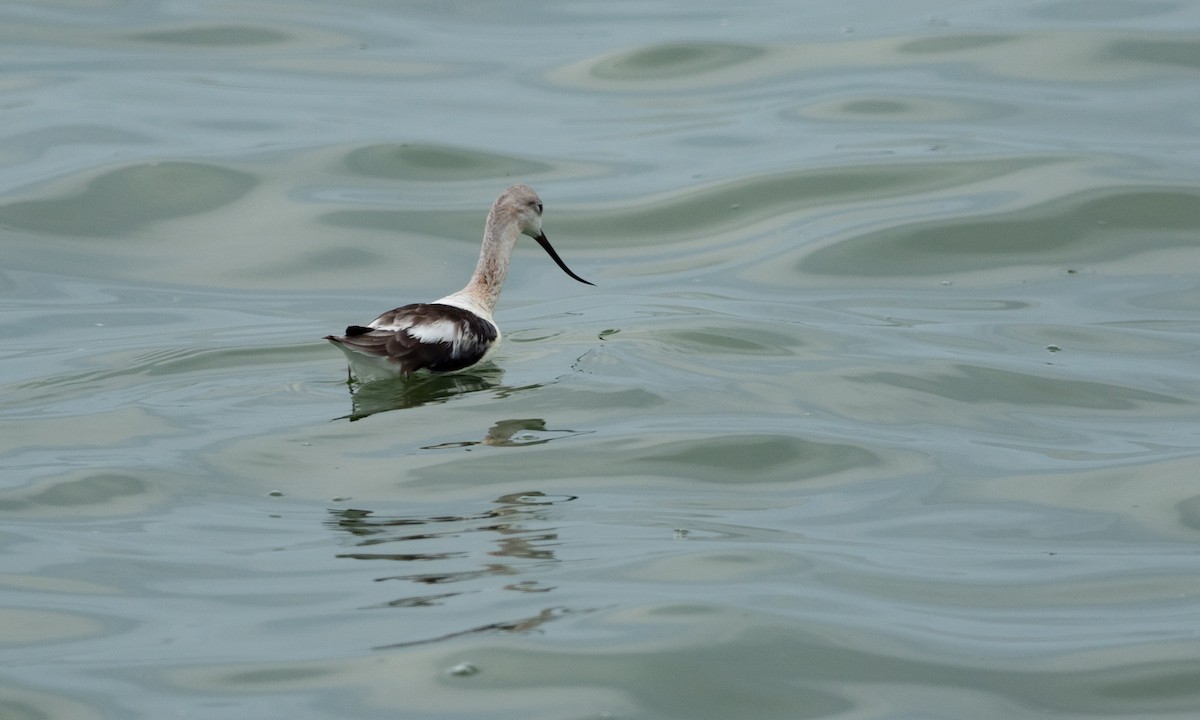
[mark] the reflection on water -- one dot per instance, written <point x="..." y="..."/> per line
<point x="512" y="433"/>
<point x="367" y="399"/>
<point x="522" y="625"/>
<point x="508" y="541"/>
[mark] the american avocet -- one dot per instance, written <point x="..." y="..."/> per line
<point x="456" y="331"/>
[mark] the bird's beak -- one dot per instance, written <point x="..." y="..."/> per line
<point x="541" y="239"/>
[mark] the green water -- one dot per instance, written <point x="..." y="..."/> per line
<point x="884" y="406"/>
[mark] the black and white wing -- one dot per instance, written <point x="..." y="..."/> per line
<point x="432" y="336"/>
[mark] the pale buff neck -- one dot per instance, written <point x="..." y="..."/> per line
<point x="499" y="240"/>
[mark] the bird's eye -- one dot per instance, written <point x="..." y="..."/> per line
<point x="539" y="208"/>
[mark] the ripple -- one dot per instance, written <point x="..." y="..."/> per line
<point x="672" y="67"/>
<point x="673" y="61"/>
<point x="1119" y="339"/>
<point x="130" y="369"/>
<point x="1100" y="10"/>
<point x="22" y="627"/>
<point x="126" y="200"/>
<point x="81" y="493"/>
<point x="214" y="36"/>
<point x="437" y="163"/>
<point x="901" y="108"/>
<point x="36" y="143"/>
<point x="683" y="67"/>
<point x="977" y="384"/>
<point x="1169" y="53"/>
<point x="730" y="340"/>
<point x="21" y="703"/>
<point x="1189" y="512"/>
<point x="1089" y="226"/>
<point x="953" y="43"/>
<point x="737" y="458"/>
<point x="718" y="209"/>
<point x="754" y="458"/>
<point x="715" y="566"/>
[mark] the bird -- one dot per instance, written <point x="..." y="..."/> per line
<point x="456" y="331"/>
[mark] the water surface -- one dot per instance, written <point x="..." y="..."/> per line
<point x="884" y="405"/>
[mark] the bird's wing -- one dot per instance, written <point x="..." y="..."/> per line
<point x="431" y="336"/>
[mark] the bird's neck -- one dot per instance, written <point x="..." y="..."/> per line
<point x="499" y="240"/>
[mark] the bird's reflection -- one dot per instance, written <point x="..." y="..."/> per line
<point x="518" y="539"/>
<point x="521" y="625"/>
<point x="367" y="399"/>
<point x="517" y="432"/>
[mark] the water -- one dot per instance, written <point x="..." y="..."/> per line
<point x="885" y="405"/>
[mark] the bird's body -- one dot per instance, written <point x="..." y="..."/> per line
<point x="457" y="331"/>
